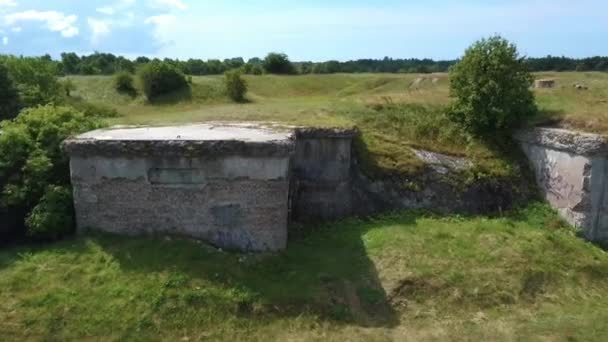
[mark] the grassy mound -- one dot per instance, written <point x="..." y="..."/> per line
<point x="399" y="276"/>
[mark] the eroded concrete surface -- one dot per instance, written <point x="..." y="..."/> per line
<point x="571" y="169"/>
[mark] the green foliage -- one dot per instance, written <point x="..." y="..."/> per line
<point x="36" y="79"/>
<point x="31" y="160"/>
<point x="491" y="85"/>
<point x="124" y="83"/>
<point x="9" y="96"/>
<point x="53" y="216"/>
<point x="235" y="85"/>
<point x="160" y="78"/>
<point x="278" y="63"/>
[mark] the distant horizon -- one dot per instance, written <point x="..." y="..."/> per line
<point x="315" y="31"/>
<point x="132" y="58"/>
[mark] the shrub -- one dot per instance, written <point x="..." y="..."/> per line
<point x="34" y="169"/>
<point x="278" y="63"/>
<point x="491" y="85"/>
<point x="9" y="96"/>
<point x="235" y="85"/>
<point x="53" y="216"/>
<point x="124" y="83"/>
<point x="159" y="78"/>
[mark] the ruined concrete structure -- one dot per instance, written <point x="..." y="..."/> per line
<point x="571" y="171"/>
<point x="238" y="186"/>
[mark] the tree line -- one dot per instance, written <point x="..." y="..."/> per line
<point x="98" y="63"/>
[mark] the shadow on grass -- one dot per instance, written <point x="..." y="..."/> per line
<point x="547" y="118"/>
<point x="326" y="273"/>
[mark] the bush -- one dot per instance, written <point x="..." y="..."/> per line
<point x="9" y="96"/>
<point x="159" y="78"/>
<point x="278" y="63"/>
<point x="34" y="169"/>
<point x="124" y="83"/>
<point x="491" y="85"/>
<point x="53" y="216"/>
<point x="235" y="85"/>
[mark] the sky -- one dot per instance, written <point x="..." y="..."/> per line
<point x="312" y="30"/>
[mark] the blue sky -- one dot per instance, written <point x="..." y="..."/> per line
<point x="306" y="30"/>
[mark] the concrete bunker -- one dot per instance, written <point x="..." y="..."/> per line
<point x="228" y="185"/>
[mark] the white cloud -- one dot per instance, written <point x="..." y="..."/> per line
<point x="54" y="21"/>
<point x="16" y="29"/>
<point x="162" y="23"/>
<point x="163" y="19"/>
<point x="105" y="10"/>
<point x="8" y="3"/>
<point x="171" y="4"/>
<point x="5" y="41"/>
<point x="100" y="29"/>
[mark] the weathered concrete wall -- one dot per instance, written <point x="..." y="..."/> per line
<point x="232" y="194"/>
<point x="571" y="172"/>
<point x="321" y="175"/>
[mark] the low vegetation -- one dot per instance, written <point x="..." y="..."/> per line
<point x="402" y="276"/>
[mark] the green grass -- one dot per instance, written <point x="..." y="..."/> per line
<point x="395" y="277"/>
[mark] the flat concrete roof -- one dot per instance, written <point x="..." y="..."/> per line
<point x="196" y="132"/>
<point x="183" y="141"/>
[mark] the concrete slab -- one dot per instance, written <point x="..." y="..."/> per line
<point x="197" y="132"/>
<point x="184" y="141"/>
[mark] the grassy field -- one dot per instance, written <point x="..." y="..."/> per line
<point x="319" y="99"/>
<point x="405" y="276"/>
<point x="394" y="112"/>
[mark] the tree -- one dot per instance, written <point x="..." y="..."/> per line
<point x="278" y="63"/>
<point x="491" y="87"/>
<point x="235" y="85"/>
<point x="9" y="96"/>
<point x="35" y="78"/>
<point x="70" y="62"/>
